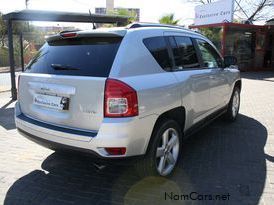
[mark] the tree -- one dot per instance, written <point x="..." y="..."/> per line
<point x="214" y="34"/>
<point x="124" y="12"/>
<point x="249" y="10"/>
<point x="259" y="10"/>
<point x="17" y="28"/>
<point x="3" y="31"/>
<point x="169" y="19"/>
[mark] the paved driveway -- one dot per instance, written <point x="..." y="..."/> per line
<point x="236" y="160"/>
<point x="5" y="82"/>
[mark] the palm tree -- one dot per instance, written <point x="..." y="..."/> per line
<point x="169" y="19"/>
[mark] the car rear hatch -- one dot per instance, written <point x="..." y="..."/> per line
<point x="64" y="83"/>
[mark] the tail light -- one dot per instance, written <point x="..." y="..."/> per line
<point x="120" y="99"/>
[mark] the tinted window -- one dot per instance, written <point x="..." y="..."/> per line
<point x="158" y="48"/>
<point x="76" y="56"/>
<point x="184" y="52"/>
<point x="177" y="53"/>
<point x="210" y="56"/>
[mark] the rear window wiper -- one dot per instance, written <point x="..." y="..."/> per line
<point x="63" y="67"/>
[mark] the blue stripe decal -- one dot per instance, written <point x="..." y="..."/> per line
<point x="56" y="128"/>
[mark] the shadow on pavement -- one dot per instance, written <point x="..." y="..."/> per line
<point x="7" y="118"/>
<point x="7" y="104"/>
<point x="221" y="159"/>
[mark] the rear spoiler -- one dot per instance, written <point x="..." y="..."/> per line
<point x="82" y="34"/>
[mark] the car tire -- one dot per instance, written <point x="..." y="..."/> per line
<point x="164" y="150"/>
<point x="233" y="105"/>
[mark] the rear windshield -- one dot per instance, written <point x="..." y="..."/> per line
<point x="76" y="56"/>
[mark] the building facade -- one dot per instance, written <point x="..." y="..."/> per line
<point x="110" y="5"/>
<point x="253" y="45"/>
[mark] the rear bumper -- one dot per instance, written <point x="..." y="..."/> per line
<point x="54" y="145"/>
<point x="124" y="132"/>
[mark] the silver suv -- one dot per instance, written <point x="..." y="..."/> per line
<point x="123" y="92"/>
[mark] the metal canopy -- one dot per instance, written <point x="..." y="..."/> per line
<point x="59" y="16"/>
<point x="55" y="16"/>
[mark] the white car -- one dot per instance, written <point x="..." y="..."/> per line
<point x="123" y="92"/>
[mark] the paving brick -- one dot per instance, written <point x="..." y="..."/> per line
<point x="235" y="158"/>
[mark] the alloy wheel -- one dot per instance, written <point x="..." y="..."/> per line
<point x="167" y="151"/>
<point x="235" y="103"/>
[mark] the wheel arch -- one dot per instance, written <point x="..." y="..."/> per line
<point x="177" y="114"/>
<point x="238" y="84"/>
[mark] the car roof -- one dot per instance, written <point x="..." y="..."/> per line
<point x="122" y="31"/>
<point x="137" y="26"/>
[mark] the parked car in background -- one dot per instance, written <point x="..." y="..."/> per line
<point x="123" y="92"/>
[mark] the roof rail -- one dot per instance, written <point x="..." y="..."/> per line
<point x="140" y="25"/>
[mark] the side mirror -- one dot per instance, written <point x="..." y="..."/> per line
<point x="230" y="61"/>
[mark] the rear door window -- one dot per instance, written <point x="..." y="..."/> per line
<point x="76" y="56"/>
<point x="158" y="48"/>
<point x="177" y="53"/>
<point x="184" y="52"/>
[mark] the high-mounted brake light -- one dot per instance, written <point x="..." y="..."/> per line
<point x="120" y="99"/>
<point x="68" y="35"/>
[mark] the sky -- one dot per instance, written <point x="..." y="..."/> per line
<point x="151" y="10"/>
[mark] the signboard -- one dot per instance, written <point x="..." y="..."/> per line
<point x="217" y="12"/>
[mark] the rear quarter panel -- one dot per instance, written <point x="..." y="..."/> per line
<point x="157" y="89"/>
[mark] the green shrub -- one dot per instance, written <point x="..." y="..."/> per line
<point x="4" y="57"/>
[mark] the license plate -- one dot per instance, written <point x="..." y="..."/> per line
<point x="54" y="102"/>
